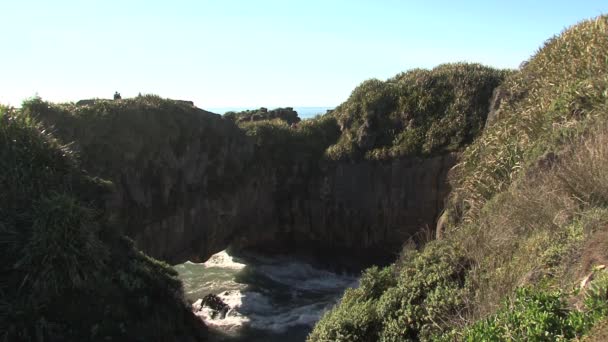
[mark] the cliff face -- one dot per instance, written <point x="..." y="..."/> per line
<point x="68" y="273"/>
<point x="185" y="187"/>
<point x="175" y="169"/>
<point x="370" y="207"/>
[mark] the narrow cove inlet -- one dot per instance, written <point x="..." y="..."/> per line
<point x="269" y="298"/>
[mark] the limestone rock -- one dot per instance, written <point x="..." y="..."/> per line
<point x="186" y="187"/>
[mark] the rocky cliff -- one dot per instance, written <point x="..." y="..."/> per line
<point x="186" y="187"/>
<point x="368" y="206"/>
<point x="175" y="169"/>
<point x="368" y="176"/>
<point x="68" y="273"/>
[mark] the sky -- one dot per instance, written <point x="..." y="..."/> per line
<point x="245" y="53"/>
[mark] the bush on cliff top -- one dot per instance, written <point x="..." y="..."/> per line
<point x="112" y="134"/>
<point x="288" y="115"/>
<point x="419" y="112"/>
<point x="281" y="145"/>
<point x="66" y="272"/>
<point x="530" y="206"/>
<point x="158" y="152"/>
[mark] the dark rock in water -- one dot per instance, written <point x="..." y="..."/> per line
<point x="216" y="304"/>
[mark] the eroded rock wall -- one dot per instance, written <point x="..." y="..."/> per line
<point x="185" y="187"/>
<point x="369" y="207"/>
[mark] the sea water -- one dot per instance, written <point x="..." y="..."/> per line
<point x="276" y="298"/>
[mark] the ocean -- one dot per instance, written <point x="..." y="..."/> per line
<point x="276" y="298"/>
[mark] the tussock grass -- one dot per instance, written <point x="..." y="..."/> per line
<point x="529" y="210"/>
<point x="66" y="273"/>
<point x="556" y="96"/>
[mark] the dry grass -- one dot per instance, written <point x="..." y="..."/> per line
<point x="549" y="227"/>
<point x="530" y="199"/>
<point x="599" y="333"/>
<point x="553" y="98"/>
<point x="585" y="175"/>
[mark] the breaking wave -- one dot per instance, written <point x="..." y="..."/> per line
<point x="268" y="294"/>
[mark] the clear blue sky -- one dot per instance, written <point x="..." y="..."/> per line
<point x="257" y="53"/>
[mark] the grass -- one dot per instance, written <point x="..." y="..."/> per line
<point x="528" y="212"/>
<point x="556" y="96"/>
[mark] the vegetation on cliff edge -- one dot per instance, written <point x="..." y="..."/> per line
<point x="288" y="115"/>
<point x="67" y="272"/>
<point x="418" y="112"/>
<point x="526" y="222"/>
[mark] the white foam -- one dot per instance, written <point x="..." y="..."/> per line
<point x="313" y="291"/>
<point x="255" y="310"/>
<point x="223" y="260"/>
<point x="233" y="319"/>
<point x="303" y="276"/>
<point x="281" y="321"/>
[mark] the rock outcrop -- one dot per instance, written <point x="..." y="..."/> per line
<point x="371" y="207"/>
<point x="175" y="169"/>
<point x="188" y="186"/>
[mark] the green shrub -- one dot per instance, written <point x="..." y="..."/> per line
<point x="63" y="246"/>
<point x="375" y="281"/>
<point x="413" y="302"/>
<point x="67" y="273"/>
<point x="429" y="293"/>
<point x="352" y="320"/>
<point x="280" y="145"/>
<point x="288" y="115"/>
<point x="596" y="297"/>
<point x="419" y="112"/>
<point x="536" y="315"/>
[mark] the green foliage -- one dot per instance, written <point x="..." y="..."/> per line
<point x="287" y="115"/>
<point x="555" y="97"/>
<point x="353" y="321"/>
<point x="596" y="297"/>
<point x="355" y="318"/>
<point x="67" y="275"/>
<point x="429" y="292"/>
<point x="536" y="315"/>
<point x="280" y="145"/>
<point x="409" y="303"/>
<point x="419" y="112"/>
<point x="375" y="281"/>
<point x="63" y="245"/>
